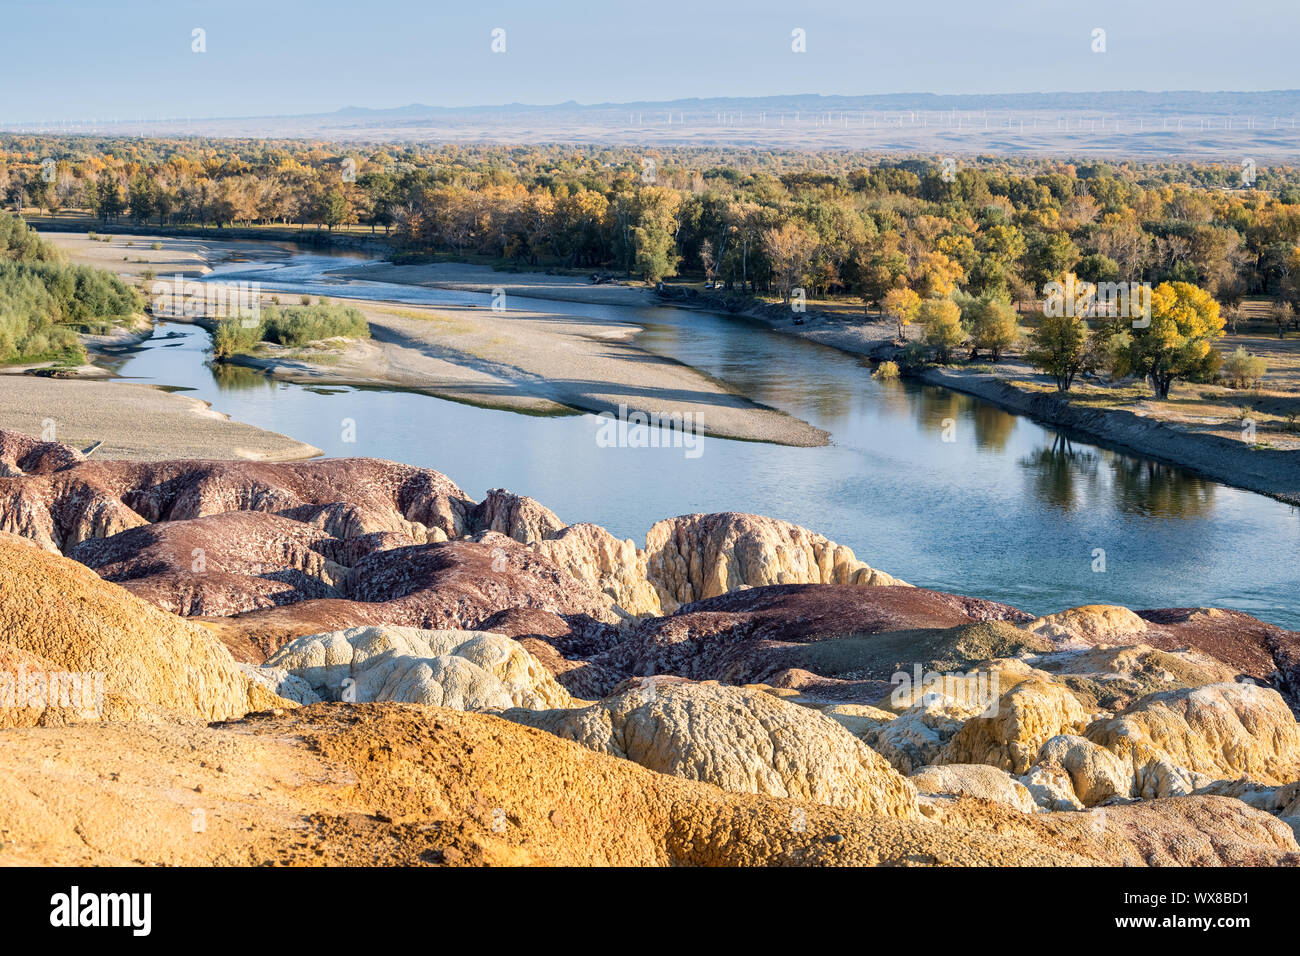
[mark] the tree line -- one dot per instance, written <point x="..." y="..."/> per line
<point x="759" y="222"/>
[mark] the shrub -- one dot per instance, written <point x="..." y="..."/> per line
<point x="303" y="324"/>
<point x="912" y="355"/>
<point x="886" y="370"/>
<point x="43" y="301"/>
<point x="155" y="246"/>
<point x="232" y="337"/>
<point x="294" y="326"/>
<point x="1242" y="370"/>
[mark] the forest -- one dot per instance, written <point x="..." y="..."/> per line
<point x="838" y="223"/>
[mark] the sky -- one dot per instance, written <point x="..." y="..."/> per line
<point x="134" y="59"/>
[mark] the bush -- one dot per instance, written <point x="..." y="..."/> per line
<point x="912" y="355"/>
<point x="305" y="299"/>
<point x="941" y="319"/>
<point x="1242" y="370"/>
<point x="155" y="246"/>
<point x="886" y="370"/>
<point x="232" y="337"/>
<point x="311" y="323"/>
<point x="294" y="326"/>
<point x="44" y="301"/>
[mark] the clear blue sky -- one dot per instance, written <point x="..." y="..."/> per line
<point x="70" y="59"/>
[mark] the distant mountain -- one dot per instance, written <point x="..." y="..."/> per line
<point x="1175" y="102"/>
<point x="1139" y="124"/>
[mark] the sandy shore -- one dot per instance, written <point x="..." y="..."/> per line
<point x="536" y="362"/>
<point x="477" y="278"/>
<point x="132" y="256"/>
<point x="134" y="421"/>
<point x="83" y="406"/>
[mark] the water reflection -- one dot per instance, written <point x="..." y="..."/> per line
<point x="941" y="410"/>
<point x="1069" y="477"/>
<point x="1061" y="475"/>
<point x="1152" y="489"/>
<point x="234" y="378"/>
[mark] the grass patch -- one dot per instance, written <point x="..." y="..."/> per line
<point x="293" y="326"/>
<point x="444" y="322"/>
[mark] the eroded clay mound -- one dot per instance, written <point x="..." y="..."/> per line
<point x="1183" y="739"/>
<point x="465" y="670"/>
<point x="738" y="739"/>
<point x="151" y="662"/>
<point x="345" y="497"/>
<point x="695" y="557"/>
<point x="223" y="564"/>
<point x="1265" y="653"/>
<point x="23" y="455"/>
<point x="401" y="784"/>
<point x="755" y="635"/>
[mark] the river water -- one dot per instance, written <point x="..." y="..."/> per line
<point x="935" y="487"/>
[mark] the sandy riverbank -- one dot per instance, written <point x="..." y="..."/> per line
<point x="83" y="406"/>
<point x="477" y="278"/>
<point x="133" y="256"/>
<point x="536" y="362"/>
<point x="134" y="421"/>
<point x="524" y="360"/>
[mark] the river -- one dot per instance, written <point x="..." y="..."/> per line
<point x="936" y="487"/>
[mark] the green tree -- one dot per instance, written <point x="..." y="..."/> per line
<point x="654" y="231"/>
<point x="334" y="209"/>
<point x="991" y="325"/>
<point x="140" y="198"/>
<point x="108" y="199"/>
<point x="1062" y="347"/>
<point x="1050" y="255"/>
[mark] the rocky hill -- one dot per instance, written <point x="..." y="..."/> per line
<point x="352" y="661"/>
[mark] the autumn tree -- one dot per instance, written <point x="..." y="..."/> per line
<point x="903" y="304"/>
<point x="1241" y="369"/>
<point x="941" y="319"/>
<point x="1176" y="344"/>
<point x="789" y="248"/>
<point x="1062" y="347"/>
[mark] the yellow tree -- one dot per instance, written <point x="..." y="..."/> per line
<point x="902" y="303"/>
<point x="937" y="275"/>
<point x="1185" y="320"/>
<point x="941" y="319"/>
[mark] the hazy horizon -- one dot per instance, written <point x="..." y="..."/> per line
<point x="88" y="60"/>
